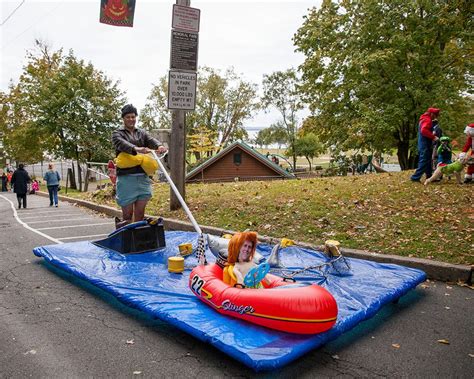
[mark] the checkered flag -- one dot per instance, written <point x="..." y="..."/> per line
<point x="201" y="250"/>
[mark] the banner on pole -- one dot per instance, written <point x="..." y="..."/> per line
<point x="117" y="12"/>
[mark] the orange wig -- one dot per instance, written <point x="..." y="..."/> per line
<point x="236" y="242"/>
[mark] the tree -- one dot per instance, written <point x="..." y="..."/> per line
<point x="308" y="146"/>
<point x="280" y="91"/>
<point x="264" y="137"/>
<point x="372" y="67"/>
<point x="223" y="103"/>
<point x="278" y="134"/>
<point x="202" y="142"/>
<point x="155" y="114"/>
<point x="69" y="102"/>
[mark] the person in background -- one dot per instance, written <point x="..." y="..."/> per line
<point x="425" y="144"/>
<point x="133" y="187"/>
<point x="52" y="179"/>
<point x="9" y="179"/>
<point x="19" y="181"/>
<point x="469" y="145"/>
<point x="4" y="182"/>
<point x="34" y="187"/>
<point x="438" y="132"/>
<point x="445" y="151"/>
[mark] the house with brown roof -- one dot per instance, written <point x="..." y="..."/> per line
<point x="237" y="161"/>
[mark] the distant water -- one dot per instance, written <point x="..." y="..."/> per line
<point x="391" y="167"/>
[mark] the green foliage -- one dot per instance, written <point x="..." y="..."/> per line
<point x="223" y="103"/>
<point x="63" y="107"/>
<point x="280" y="91"/>
<point x="372" y="67"/>
<point x="264" y="137"/>
<point x="202" y="142"/>
<point x="155" y="114"/>
<point x="276" y="133"/>
<point x="307" y="146"/>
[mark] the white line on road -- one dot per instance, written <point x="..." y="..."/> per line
<point x="32" y="211"/>
<point x="69" y="219"/>
<point x="75" y="226"/>
<point x="15" y="214"/>
<point x="89" y="236"/>
<point x="57" y="215"/>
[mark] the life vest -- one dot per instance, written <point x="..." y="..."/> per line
<point x="147" y="162"/>
<point x="229" y="276"/>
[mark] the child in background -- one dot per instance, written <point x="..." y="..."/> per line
<point x="34" y="187"/>
<point x="445" y="151"/>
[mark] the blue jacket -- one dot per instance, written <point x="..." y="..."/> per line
<point x="52" y="178"/>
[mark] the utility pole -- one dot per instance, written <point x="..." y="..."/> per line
<point x="177" y="156"/>
<point x="181" y="90"/>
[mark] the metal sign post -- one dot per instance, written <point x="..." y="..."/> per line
<point x="181" y="89"/>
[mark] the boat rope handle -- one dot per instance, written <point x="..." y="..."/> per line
<point x="176" y="192"/>
<point x="201" y="247"/>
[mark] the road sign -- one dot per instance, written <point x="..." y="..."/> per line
<point x="186" y="18"/>
<point x="184" y="50"/>
<point x="182" y="90"/>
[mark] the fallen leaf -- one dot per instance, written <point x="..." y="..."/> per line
<point x="446" y="342"/>
<point x="465" y="285"/>
<point x="396" y="345"/>
<point x="130" y="342"/>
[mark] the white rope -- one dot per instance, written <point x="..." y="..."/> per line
<point x="176" y="192"/>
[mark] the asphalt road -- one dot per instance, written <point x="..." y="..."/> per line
<point x="55" y="326"/>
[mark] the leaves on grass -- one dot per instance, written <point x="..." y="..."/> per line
<point x="382" y="213"/>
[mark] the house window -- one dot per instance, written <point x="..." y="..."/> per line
<point x="237" y="158"/>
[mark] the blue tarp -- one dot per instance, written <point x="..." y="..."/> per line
<point x="142" y="281"/>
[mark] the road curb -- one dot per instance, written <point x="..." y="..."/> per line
<point x="435" y="270"/>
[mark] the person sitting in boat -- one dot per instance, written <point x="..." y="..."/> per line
<point x="240" y="258"/>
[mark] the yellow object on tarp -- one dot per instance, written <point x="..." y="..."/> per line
<point x="285" y="242"/>
<point x="229" y="276"/>
<point x="176" y="264"/>
<point x="185" y="249"/>
<point x="147" y="162"/>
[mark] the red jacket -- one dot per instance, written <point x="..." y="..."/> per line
<point x="426" y="126"/>
<point x="468" y="145"/>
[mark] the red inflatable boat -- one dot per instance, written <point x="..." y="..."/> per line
<point x="283" y="306"/>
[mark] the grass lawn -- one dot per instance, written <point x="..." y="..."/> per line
<point x="384" y="213"/>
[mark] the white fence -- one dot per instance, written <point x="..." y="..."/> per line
<point x="38" y="170"/>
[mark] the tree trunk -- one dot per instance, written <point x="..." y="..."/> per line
<point x="309" y="163"/>
<point x="79" y="175"/>
<point x="72" y="172"/>
<point x="406" y="158"/>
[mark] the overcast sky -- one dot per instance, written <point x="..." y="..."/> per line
<point x="255" y="37"/>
